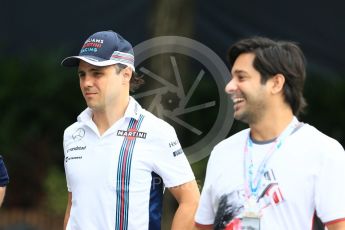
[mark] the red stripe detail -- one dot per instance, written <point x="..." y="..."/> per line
<point x="122" y="57"/>
<point x="124" y="164"/>
<point x="122" y="213"/>
<point x="135" y="124"/>
<point x="335" y="221"/>
<point x="133" y="129"/>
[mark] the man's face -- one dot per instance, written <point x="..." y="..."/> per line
<point x="247" y="92"/>
<point x="101" y="87"/>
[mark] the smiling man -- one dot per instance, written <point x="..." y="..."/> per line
<point x="118" y="157"/>
<point x="280" y="172"/>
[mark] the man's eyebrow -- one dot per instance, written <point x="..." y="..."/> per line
<point x="91" y="69"/>
<point x="238" y="71"/>
<point x="95" y="68"/>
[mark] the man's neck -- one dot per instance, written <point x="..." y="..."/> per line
<point x="104" y="119"/>
<point x="270" y="126"/>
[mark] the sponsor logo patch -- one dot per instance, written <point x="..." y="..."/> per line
<point x="131" y="134"/>
<point x="78" y="134"/>
<point x="76" y="148"/>
<point x="73" y="158"/>
<point x="173" y="143"/>
<point x="177" y="152"/>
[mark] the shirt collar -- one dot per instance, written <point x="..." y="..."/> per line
<point x="133" y="109"/>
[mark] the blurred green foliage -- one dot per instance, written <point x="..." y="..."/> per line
<point x="325" y="95"/>
<point x="38" y="100"/>
<point x="55" y="189"/>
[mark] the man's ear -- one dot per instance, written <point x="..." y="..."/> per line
<point x="127" y="74"/>
<point x="278" y="82"/>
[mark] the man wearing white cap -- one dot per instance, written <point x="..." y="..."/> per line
<point x="118" y="156"/>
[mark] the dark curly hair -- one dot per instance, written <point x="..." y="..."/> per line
<point x="136" y="80"/>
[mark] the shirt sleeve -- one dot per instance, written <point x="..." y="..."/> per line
<point x="4" y="179"/>
<point x="170" y="162"/>
<point x="64" y="149"/>
<point x="205" y="213"/>
<point x="330" y="185"/>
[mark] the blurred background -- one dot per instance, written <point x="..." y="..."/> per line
<point x="39" y="98"/>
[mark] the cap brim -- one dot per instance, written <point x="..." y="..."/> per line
<point x="73" y="61"/>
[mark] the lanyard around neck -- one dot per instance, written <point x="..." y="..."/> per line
<point x="252" y="184"/>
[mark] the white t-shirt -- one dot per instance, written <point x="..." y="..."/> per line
<point x="117" y="179"/>
<point x="306" y="176"/>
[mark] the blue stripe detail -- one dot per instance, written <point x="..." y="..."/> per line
<point x="155" y="205"/>
<point x="119" y="184"/>
<point x="123" y="177"/>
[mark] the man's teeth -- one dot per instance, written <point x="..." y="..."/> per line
<point x="237" y="100"/>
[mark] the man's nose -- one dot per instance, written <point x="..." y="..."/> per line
<point x="231" y="87"/>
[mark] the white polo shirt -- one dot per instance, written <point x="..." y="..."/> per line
<point x="117" y="179"/>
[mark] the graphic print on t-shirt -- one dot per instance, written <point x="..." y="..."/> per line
<point x="231" y="205"/>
